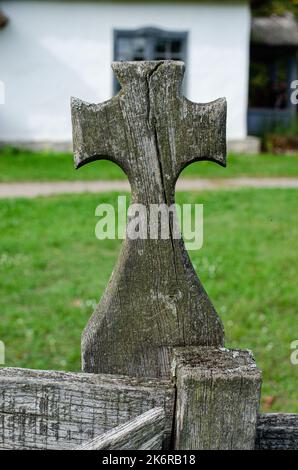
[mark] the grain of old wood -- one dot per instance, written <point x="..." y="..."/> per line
<point x="59" y="410"/>
<point x="218" y="393"/>
<point x="145" y="432"/>
<point x="277" y="431"/>
<point x="154" y="299"/>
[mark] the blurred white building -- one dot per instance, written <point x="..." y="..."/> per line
<point x="53" y="50"/>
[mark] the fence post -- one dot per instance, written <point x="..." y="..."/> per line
<point x="218" y="392"/>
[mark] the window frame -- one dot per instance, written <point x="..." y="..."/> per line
<point x="151" y="34"/>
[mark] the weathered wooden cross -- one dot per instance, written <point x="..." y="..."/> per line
<point x="154" y="313"/>
<point x="154" y="300"/>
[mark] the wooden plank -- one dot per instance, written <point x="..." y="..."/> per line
<point x="218" y="393"/>
<point x="277" y="431"/>
<point x="59" y="410"/>
<point x="145" y="432"/>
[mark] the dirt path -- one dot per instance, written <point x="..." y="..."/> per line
<point x="34" y="189"/>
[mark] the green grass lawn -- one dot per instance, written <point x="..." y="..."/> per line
<point x="21" y="165"/>
<point x="53" y="270"/>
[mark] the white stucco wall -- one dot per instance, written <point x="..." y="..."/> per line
<point x="53" y="50"/>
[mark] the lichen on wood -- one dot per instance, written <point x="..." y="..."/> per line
<point x="218" y="394"/>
